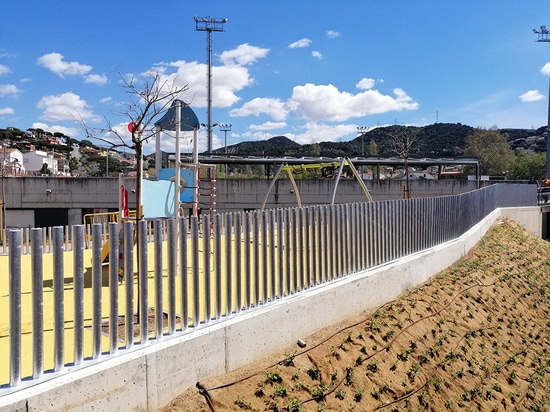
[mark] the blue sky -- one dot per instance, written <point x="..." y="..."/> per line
<point x="312" y="70"/>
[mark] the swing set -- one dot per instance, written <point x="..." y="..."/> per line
<point x="328" y="170"/>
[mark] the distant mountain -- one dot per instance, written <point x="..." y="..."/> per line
<point x="432" y="141"/>
<point x="275" y="146"/>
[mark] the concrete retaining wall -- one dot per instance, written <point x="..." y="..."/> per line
<point x="148" y="378"/>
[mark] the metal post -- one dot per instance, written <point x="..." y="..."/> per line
<point x="78" y="274"/>
<point x="14" y="239"/>
<point x="59" y="300"/>
<point x="38" y="305"/>
<point x="209" y="25"/>
<point x="543" y="35"/>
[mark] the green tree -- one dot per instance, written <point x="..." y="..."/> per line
<point x="492" y="149"/>
<point x="528" y="165"/>
<point x="373" y="148"/>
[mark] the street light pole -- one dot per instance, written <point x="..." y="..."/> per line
<point x="362" y="130"/>
<point x="224" y="127"/>
<point x="543" y="35"/>
<point x="209" y="25"/>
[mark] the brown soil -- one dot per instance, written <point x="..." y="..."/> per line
<point x="475" y="337"/>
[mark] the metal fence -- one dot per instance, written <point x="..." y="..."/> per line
<point x="193" y="272"/>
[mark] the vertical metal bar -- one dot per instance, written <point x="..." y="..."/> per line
<point x="229" y="289"/>
<point x="352" y="236"/>
<point x="207" y="269"/>
<point x="218" y="233"/>
<point x="38" y="305"/>
<point x="380" y="231"/>
<point x="159" y="265"/>
<point x="368" y="236"/>
<point x="264" y="291"/>
<point x="172" y="269"/>
<point x="296" y="229"/>
<point x="331" y="265"/>
<point x="184" y="267"/>
<point x="128" y="275"/>
<point x="59" y="300"/>
<point x="288" y="253"/>
<point x="96" y="288"/>
<point x="337" y="227"/>
<point x="323" y="250"/>
<point x="280" y="254"/>
<point x="363" y="236"/>
<point x="143" y="284"/>
<point x="195" y="267"/>
<point x="14" y="238"/>
<point x="306" y="255"/>
<point x="238" y="263"/>
<point x="255" y="278"/>
<point x="315" y="245"/>
<point x="247" y="259"/>
<point x="113" y="287"/>
<point x="272" y="255"/>
<point x="78" y="248"/>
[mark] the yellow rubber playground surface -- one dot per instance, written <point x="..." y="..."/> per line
<point x="48" y="308"/>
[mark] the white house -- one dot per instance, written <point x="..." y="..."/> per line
<point x="34" y="161"/>
<point x="11" y="162"/>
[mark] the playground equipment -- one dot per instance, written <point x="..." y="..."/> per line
<point x="163" y="198"/>
<point x="328" y="170"/>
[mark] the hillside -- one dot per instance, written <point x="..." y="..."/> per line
<point x="475" y="337"/>
<point x="434" y="141"/>
<point x="439" y="140"/>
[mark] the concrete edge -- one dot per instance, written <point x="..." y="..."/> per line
<point x="148" y="378"/>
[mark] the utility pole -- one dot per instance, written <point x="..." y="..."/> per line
<point x="543" y="35"/>
<point x="209" y="25"/>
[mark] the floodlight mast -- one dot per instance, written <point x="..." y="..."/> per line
<point x="543" y="35"/>
<point x="209" y="25"/>
<point x="224" y="127"/>
<point x="362" y="130"/>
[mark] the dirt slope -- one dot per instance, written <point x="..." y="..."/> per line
<point x="476" y="337"/>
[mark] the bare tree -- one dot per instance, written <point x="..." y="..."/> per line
<point x="148" y="100"/>
<point x="402" y="143"/>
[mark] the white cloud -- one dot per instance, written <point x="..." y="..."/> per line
<point x="546" y="69"/>
<point x="317" y="55"/>
<point x="243" y="55"/>
<point x="332" y="34"/>
<point x="67" y="131"/>
<point x="6" y="111"/>
<point x="305" y="42"/>
<point x="325" y="103"/>
<point x="8" y="90"/>
<point x="313" y="132"/>
<point x="531" y="96"/>
<point x="4" y="69"/>
<point x="365" y="83"/>
<point x="99" y="79"/>
<point x="268" y="126"/>
<point x="106" y="100"/>
<point x="274" y="108"/>
<point x="226" y="82"/>
<point x="55" y="63"/>
<point x="66" y="106"/>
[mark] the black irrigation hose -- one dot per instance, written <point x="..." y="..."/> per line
<point x="205" y="392"/>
